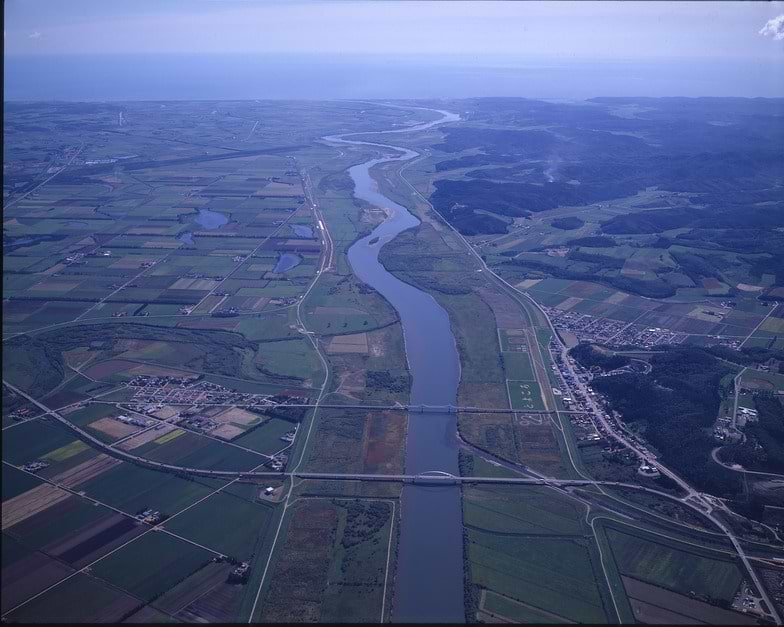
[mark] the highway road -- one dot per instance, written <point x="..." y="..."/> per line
<point x="13" y="201"/>
<point x="425" y="478"/>
<point x="414" y="409"/>
<point x="435" y="477"/>
<point x="325" y="264"/>
<point x="715" y="456"/>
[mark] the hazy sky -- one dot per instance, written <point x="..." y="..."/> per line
<point x="745" y="37"/>
<point x="593" y="30"/>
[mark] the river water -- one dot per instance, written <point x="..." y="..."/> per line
<point x="429" y="582"/>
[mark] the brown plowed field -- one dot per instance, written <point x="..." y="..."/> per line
<point x="29" y="503"/>
<point x="86" y="471"/>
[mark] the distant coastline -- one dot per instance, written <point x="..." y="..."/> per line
<point x="243" y="77"/>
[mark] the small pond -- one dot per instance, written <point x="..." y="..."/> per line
<point x="211" y="219"/>
<point x="301" y="230"/>
<point x="286" y="262"/>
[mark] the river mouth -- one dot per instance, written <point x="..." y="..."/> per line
<point x="429" y="579"/>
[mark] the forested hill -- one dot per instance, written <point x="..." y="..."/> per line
<point x="676" y="405"/>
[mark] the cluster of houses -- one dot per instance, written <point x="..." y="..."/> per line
<point x="289" y="437"/>
<point x="35" y="466"/>
<point x="240" y="574"/>
<point x="128" y="420"/>
<point x="278" y="462"/>
<point x="150" y="516"/>
<point x="23" y="413"/>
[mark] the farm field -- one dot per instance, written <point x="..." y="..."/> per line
<point x="673" y="565"/>
<point x="652" y="603"/>
<point x="520" y="553"/>
<point x="81" y="598"/>
<point x="151" y="565"/>
<point x="178" y="254"/>
<point x="133" y="489"/>
<point x="225" y="522"/>
<point x="33" y="440"/>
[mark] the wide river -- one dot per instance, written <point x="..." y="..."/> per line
<point x="429" y="582"/>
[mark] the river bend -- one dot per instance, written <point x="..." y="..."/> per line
<point x="429" y="581"/>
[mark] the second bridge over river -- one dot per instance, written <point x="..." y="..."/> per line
<point x="414" y="409"/>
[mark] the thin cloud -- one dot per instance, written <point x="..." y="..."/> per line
<point x="34" y="35"/>
<point x="774" y="28"/>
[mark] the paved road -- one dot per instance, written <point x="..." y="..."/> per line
<point x="748" y="337"/>
<point x="40" y="185"/>
<point x="325" y="265"/>
<point x="694" y="498"/>
<point x="414" y="409"/>
<point x="435" y="477"/>
<point x="715" y="456"/>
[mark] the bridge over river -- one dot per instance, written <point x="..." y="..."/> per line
<point x="415" y="409"/>
<point x="432" y="477"/>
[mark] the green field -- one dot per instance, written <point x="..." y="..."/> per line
<point x="514" y="610"/>
<point x="12" y="550"/>
<point x="266" y="437"/>
<point x="670" y="564"/>
<point x="80" y="599"/>
<point x="193" y="451"/>
<point x="33" y="440"/>
<point x="225" y="523"/>
<point x="151" y="565"/>
<point x="525" y="394"/>
<point x="132" y="489"/>
<point x="533" y="550"/>
<point x="65" y="452"/>
<point x="15" y="482"/>
<point x="518" y="366"/>
<point x="497" y="509"/>
<point x="91" y="413"/>
<point x="218" y="456"/>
